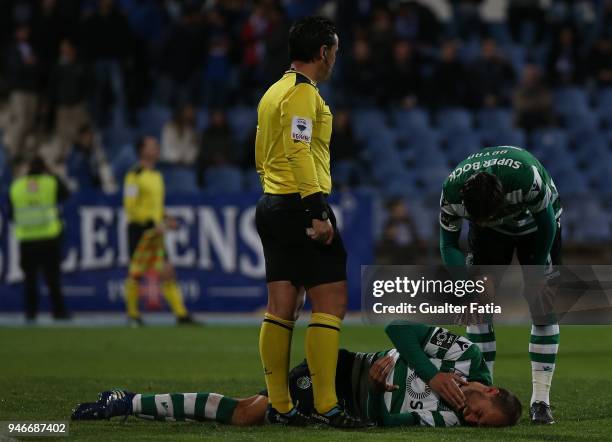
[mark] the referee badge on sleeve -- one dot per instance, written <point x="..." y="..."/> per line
<point x="301" y="129"/>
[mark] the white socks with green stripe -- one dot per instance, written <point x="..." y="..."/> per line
<point x="543" y="348"/>
<point x="184" y="406"/>
<point x="483" y="336"/>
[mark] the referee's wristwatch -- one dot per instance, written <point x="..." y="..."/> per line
<point x="316" y="206"/>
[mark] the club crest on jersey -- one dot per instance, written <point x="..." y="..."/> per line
<point x="304" y="382"/>
<point x="443" y="338"/>
<point x="301" y="129"/>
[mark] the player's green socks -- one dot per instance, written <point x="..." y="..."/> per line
<point x="131" y="297"/>
<point x="275" y="349"/>
<point x="543" y="348"/>
<point x="322" y="342"/>
<point x="483" y="335"/>
<point x="174" y="297"/>
<point x="181" y="406"/>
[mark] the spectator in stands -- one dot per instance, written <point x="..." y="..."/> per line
<point x="253" y="33"/>
<point x="467" y="19"/>
<point x="533" y="101"/>
<point x="180" y="140"/>
<point x="416" y="23"/>
<point x="217" y="146"/>
<point x="405" y="75"/>
<point x="107" y="40"/>
<point x="275" y="60"/>
<point x="23" y="80"/>
<point x="381" y="35"/>
<point x="600" y="62"/>
<point x="67" y="93"/>
<point x="491" y="77"/>
<point x="526" y="19"/>
<point x="450" y="78"/>
<point x="217" y="73"/>
<point x="400" y="242"/>
<point x="360" y="76"/>
<point x="345" y="148"/>
<point x="47" y="31"/>
<point x="86" y="164"/>
<point x="565" y="62"/>
<point x="181" y="57"/>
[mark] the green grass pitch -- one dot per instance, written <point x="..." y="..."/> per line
<point x="44" y="372"/>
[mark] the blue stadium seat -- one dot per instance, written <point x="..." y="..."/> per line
<point x="494" y="119"/>
<point x="423" y="140"/>
<point x="180" y="179"/>
<point x="223" y="179"/>
<point x="243" y="121"/>
<point x="152" y="119"/>
<point x="202" y="119"/>
<point x="517" y="56"/>
<point x="123" y="160"/>
<point x="454" y="119"/>
<point x="430" y="180"/>
<point x="461" y="144"/>
<point x="499" y="31"/>
<point x="503" y="137"/>
<point x="571" y="100"/>
<point x="407" y="121"/>
<point x="367" y="122"/>
<point x="570" y="182"/>
<point x="345" y="172"/>
<point x="115" y="138"/>
<point x="604" y="99"/>
<point x="549" y="141"/>
<point x="252" y="182"/>
<point x="416" y="157"/>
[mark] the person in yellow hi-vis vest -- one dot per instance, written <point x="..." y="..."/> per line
<point x="34" y="200"/>
<point x="143" y="201"/>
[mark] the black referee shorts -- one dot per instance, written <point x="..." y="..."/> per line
<point x="289" y="253"/>
<point x="135" y="232"/>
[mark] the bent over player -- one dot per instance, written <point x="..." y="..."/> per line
<point x="512" y="204"/>
<point x="443" y="377"/>
<point x="302" y="247"/>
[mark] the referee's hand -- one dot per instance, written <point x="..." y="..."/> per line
<point x="321" y="231"/>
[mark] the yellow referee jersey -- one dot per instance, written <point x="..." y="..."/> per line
<point x="294" y="128"/>
<point x="143" y="196"/>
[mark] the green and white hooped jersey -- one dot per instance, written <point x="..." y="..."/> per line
<point x="528" y="186"/>
<point x="450" y="353"/>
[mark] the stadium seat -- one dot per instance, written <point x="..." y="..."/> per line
<point x="251" y="181"/>
<point x="454" y="119"/>
<point x="179" y="179"/>
<point x="494" y="119"/>
<point x="123" y="161"/>
<point x="345" y="172"/>
<point x="366" y="122"/>
<point x="461" y="144"/>
<point x="549" y="141"/>
<point x="423" y="139"/>
<point x="503" y="137"/>
<point x="499" y="31"/>
<point x="430" y="180"/>
<point x="571" y="100"/>
<point x="570" y="182"/>
<point x="223" y="179"/>
<point x="407" y="121"/>
<point x="242" y="120"/>
<point x="202" y="119"/>
<point x="152" y="119"/>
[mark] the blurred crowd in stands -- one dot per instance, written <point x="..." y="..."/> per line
<point x="81" y="79"/>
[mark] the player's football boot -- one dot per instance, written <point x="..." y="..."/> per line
<point x="89" y="411"/>
<point x="186" y="320"/>
<point x="294" y="418"/>
<point x="118" y="403"/>
<point x="339" y="417"/>
<point x="135" y="321"/>
<point x="541" y="414"/>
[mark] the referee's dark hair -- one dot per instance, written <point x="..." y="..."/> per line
<point x="307" y="35"/>
<point x="140" y="143"/>
<point x="483" y="196"/>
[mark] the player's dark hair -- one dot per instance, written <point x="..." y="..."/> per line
<point x="482" y="195"/>
<point x="307" y="35"/>
<point x="509" y="405"/>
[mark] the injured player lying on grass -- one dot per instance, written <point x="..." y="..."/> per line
<point x="432" y="378"/>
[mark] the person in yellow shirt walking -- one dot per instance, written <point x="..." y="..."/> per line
<point x="302" y="247"/>
<point x="143" y="202"/>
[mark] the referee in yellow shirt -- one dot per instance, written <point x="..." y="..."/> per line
<point x="302" y="247"/>
<point x="143" y="201"/>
